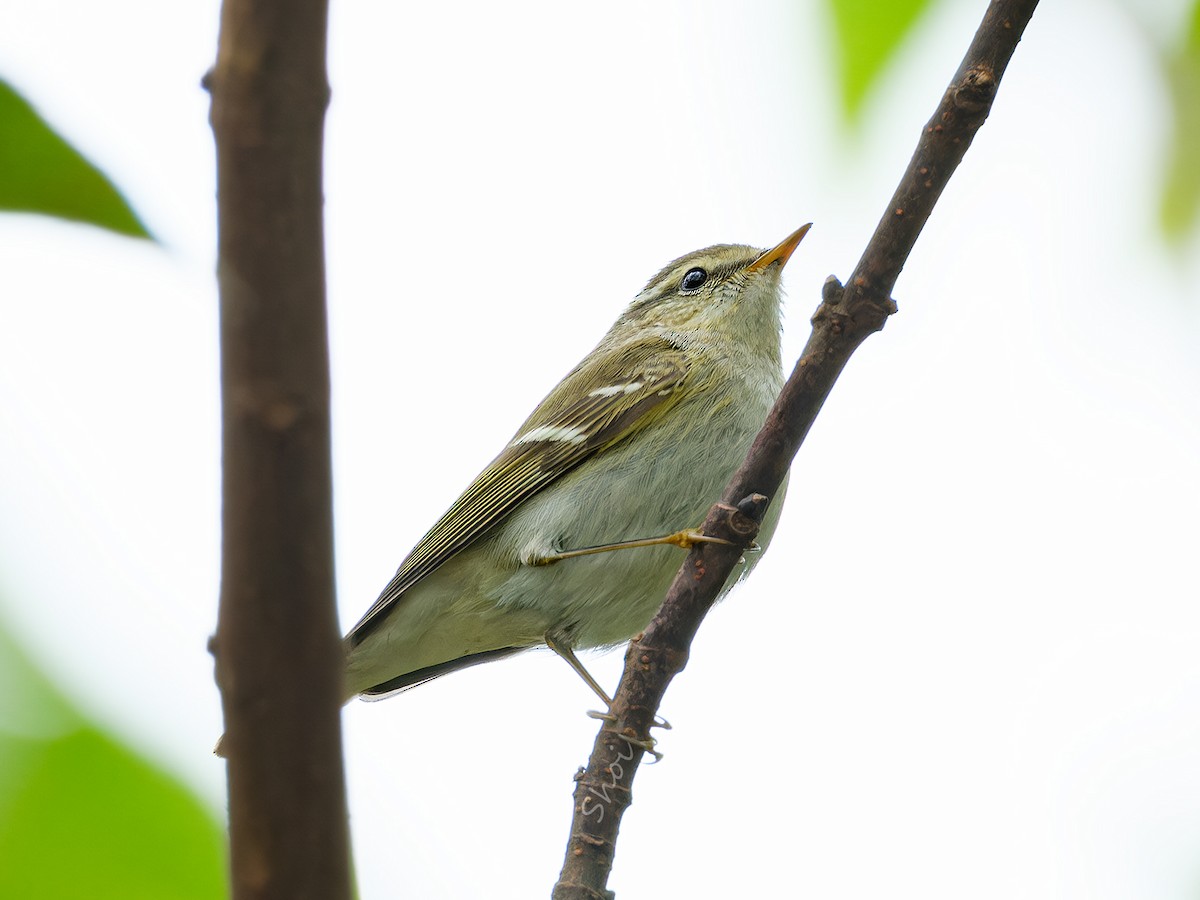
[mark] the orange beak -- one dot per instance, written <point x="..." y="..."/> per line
<point x="782" y="251"/>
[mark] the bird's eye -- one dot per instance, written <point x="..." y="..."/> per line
<point x="693" y="279"/>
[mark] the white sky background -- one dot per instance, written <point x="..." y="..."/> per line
<point x="967" y="667"/>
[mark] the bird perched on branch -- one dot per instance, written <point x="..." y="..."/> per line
<point x="565" y="539"/>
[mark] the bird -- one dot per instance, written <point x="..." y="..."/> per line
<point x="569" y="537"/>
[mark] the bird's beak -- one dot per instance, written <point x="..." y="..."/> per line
<point x="782" y="251"/>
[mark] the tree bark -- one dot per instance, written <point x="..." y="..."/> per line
<point x="277" y="646"/>
<point x="845" y="318"/>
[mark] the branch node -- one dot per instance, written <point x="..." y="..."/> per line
<point x="977" y="91"/>
<point x="752" y="507"/>
<point x="832" y="291"/>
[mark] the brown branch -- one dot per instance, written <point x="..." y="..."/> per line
<point x="846" y="317"/>
<point x="277" y="644"/>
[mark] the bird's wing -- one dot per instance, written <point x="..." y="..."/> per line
<point x="596" y="405"/>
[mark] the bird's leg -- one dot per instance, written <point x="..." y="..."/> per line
<point x="568" y="655"/>
<point x="684" y="539"/>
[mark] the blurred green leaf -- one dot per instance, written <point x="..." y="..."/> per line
<point x="83" y="817"/>
<point x="29" y="704"/>
<point x="41" y="173"/>
<point x="868" y="32"/>
<point x="1180" y="204"/>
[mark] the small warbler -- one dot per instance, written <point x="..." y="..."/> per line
<point x="635" y="443"/>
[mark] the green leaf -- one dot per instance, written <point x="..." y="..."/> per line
<point x="83" y="817"/>
<point x="868" y="32"/>
<point x="1180" y="205"/>
<point x="41" y="173"/>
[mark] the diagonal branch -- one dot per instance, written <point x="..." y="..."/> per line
<point x="845" y="318"/>
<point x="277" y="645"/>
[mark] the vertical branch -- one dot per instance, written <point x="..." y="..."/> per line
<point x="845" y="318"/>
<point x="277" y="647"/>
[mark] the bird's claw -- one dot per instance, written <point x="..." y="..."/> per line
<point x="648" y="746"/>
<point x="685" y="540"/>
